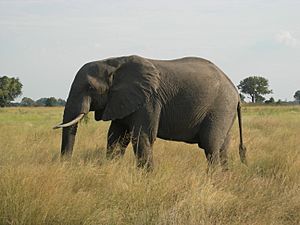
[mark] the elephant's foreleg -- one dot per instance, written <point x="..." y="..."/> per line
<point x="142" y="146"/>
<point x="144" y="132"/>
<point x="68" y="140"/>
<point x="118" y="139"/>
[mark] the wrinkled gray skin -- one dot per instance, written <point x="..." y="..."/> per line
<point x="189" y="100"/>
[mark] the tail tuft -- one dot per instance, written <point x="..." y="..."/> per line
<point x="242" y="151"/>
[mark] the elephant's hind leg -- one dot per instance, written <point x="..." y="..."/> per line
<point x="214" y="143"/>
<point x="212" y="153"/>
<point x="216" y="150"/>
<point x="223" y="153"/>
<point x="118" y="139"/>
<point x="212" y="156"/>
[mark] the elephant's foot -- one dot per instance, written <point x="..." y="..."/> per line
<point x="224" y="167"/>
<point x="114" y="153"/>
<point x="147" y="165"/>
<point x="66" y="157"/>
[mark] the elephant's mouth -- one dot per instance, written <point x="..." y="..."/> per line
<point x="72" y="122"/>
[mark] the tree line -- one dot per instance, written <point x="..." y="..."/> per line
<point x="253" y="88"/>
<point x="11" y="88"/>
<point x="52" y="101"/>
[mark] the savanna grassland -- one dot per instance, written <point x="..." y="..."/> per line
<point x="36" y="188"/>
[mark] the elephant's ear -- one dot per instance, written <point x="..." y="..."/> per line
<point x="134" y="83"/>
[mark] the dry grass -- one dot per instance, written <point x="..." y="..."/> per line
<point x="35" y="188"/>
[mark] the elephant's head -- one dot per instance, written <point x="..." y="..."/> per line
<point x="112" y="88"/>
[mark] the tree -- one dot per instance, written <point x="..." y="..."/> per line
<point x="259" y="99"/>
<point x="41" y="102"/>
<point x="51" y="101"/>
<point x="27" y="102"/>
<point x="256" y="87"/>
<point x="61" y="102"/>
<point x="297" y="96"/>
<point x="242" y="97"/>
<point x="270" y="101"/>
<point x="10" y="88"/>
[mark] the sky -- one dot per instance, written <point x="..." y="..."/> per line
<point x="44" y="43"/>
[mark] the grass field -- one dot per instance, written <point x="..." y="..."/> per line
<point x="36" y="188"/>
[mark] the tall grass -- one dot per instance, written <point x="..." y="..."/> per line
<point x="36" y="188"/>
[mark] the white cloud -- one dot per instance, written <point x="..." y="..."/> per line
<point x="286" y="38"/>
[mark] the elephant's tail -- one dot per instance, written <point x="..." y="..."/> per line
<point x="242" y="148"/>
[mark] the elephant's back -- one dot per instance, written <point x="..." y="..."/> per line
<point x="192" y="70"/>
<point x="192" y="80"/>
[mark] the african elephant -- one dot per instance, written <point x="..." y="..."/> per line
<point x="189" y="100"/>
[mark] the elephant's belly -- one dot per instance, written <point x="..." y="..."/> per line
<point x="180" y="129"/>
<point x="181" y="118"/>
<point x="175" y="137"/>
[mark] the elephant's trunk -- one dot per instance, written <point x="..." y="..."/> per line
<point x="68" y="140"/>
<point x="74" y="111"/>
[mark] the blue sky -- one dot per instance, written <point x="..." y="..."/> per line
<point x="44" y="43"/>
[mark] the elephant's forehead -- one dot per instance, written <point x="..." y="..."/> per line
<point x="92" y="68"/>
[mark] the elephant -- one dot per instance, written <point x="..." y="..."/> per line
<point x="187" y="100"/>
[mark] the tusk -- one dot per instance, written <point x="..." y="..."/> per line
<point x="76" y="120"/>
